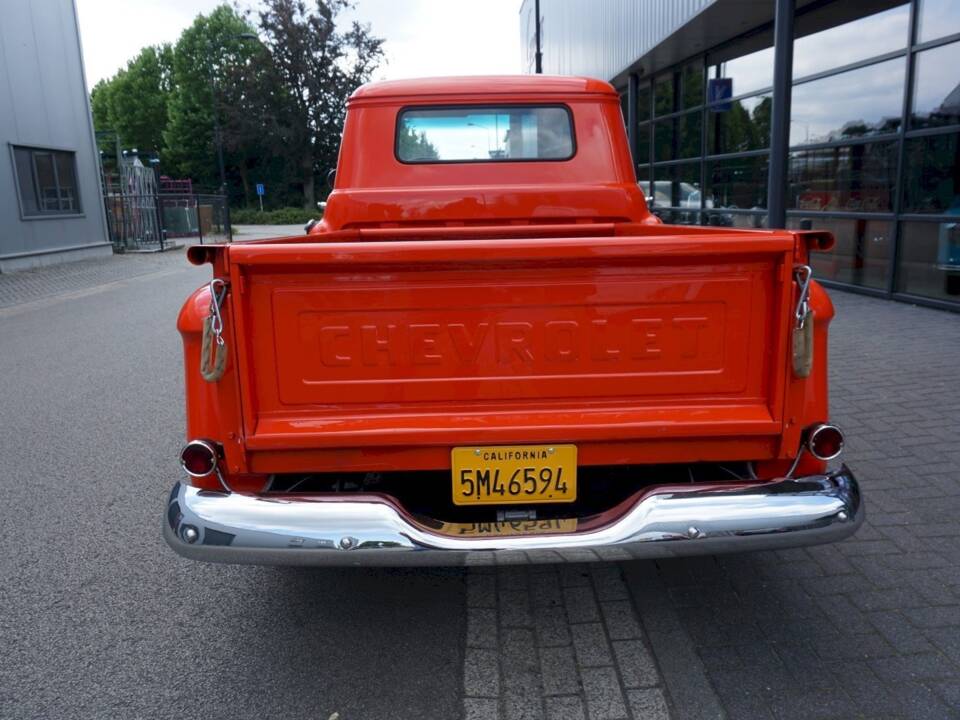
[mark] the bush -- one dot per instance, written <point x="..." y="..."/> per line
<point x="280" y="216"/>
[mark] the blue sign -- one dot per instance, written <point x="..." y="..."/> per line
<point x="260" y="190"/>
<point x="718" y="90"/>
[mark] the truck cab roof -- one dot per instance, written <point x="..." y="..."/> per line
<point x="482" y="85"/>
<point x="538" y="166"/>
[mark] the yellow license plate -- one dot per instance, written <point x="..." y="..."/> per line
<point x="512" y="474"/>
<point x="506" y="528"/>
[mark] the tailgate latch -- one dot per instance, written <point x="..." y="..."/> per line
<point x="803" y="324"/>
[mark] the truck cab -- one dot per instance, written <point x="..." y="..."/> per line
<point x="488" y="347"/>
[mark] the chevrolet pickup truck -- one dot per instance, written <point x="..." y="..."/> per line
<point x="489" y="350"/>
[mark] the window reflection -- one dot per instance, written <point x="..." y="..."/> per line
<point x="469" y="133"/>
<point x="677" y="138"/>
<point x="738" y="183"/>
<point x="931" y="178"/>
<point x="936" y="87"/>
<point x="676" y="186"/>
<point x="679" y="217"/>
<point x="734" y="219"/>
<point x="851" y="42"/>
<point x="643" y="102"/>
<point x="749" y="72"/>
<point x="739" y="126"/>
<point x="867" y="101"/>
<point x="861" y="255"/>
<point x="663" y="95"/>
<point x="847" y="177"/>
<point x="937" y="18"/>
<point x="643" y="144"/>
<point x="929" y="259"/>
<point x="692" y="84"/>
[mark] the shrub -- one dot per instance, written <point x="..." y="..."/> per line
<point x="280" y="216"/>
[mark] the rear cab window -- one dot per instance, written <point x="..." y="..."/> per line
<point x="472" y="133"/>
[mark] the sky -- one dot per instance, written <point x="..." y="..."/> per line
<point x="423" y="37"/>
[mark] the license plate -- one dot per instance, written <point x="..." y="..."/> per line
<point x="512" y="474"/>
<point x="548" y="526"/>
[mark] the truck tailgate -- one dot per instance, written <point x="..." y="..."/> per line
<point x="386" y="344"/>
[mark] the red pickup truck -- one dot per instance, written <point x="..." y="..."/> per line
<point x="489" y="350"/>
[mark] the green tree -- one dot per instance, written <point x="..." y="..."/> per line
<point x="203" y="59"/>
<point x="134" y="102"/>
<point x="316" y="67"/>
<point x="415" y="146"/>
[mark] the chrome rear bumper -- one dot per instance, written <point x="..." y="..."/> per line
<point x="370" y="530"/>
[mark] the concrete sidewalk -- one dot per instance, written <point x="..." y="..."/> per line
<point x="28" y="286"/>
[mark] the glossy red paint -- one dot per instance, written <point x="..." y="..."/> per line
<point x="494" y="303"/>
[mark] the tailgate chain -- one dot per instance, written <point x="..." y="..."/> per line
<point x="213" y="335"/>
<point x="803" y="329"/>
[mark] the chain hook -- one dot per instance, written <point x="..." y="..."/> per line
<point x="802" y="274"/>
<point x="218" y="290"/>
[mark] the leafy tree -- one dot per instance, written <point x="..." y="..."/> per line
<point x="203" y="59"/>
<point x="414" y="145"/>
<point x="134" y="101"/>
<point x="100" y="100"/>
<point x="317" y="68"/>
<point x="279" y="99"/>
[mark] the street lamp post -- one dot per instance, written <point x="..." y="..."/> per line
<point x="487" y="131"/>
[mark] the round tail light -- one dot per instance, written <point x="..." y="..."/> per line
<point x="198" y="458"/>
<point x="825" y="442"/>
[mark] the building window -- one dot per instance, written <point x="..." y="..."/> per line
<point x="691" y="82"/>
<point x="866" y="37"/>
<point x="643" y="102"/>
<point x="857" y="103"/>
<point x="643" y="144"/>
<point x="747" y="73"/>
<point x="861" y="255"/>
<point x="938" y="18"/>
<point x="737" y="183"/>
<point x="663" y="96"/>
<point x="677" y="138"/>
<point x="739" y="126"/>
<point x="936" y="87"/>
<point x="47" y="180"/>
<point x="931" y="182"/>
<point x="849" y="178"/>
<point x="930" y="260"/>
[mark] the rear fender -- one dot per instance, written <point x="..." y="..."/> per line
<point x="807" y="399"/>
<point x="212" y="408"/>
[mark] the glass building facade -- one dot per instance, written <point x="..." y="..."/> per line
<point x="874" y="144"/>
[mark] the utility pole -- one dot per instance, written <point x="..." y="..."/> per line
<point x="539" y="55"/>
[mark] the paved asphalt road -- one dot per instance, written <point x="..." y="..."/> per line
<point x="98" y="618"/>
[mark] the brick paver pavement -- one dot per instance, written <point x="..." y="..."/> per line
<point x="867" y="628"/>
<point x="85" y="276"/>
<point x="556" y="642"/>
<point x="870" y="627"/>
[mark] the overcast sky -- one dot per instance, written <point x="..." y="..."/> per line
<point x="423" y="37"/>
